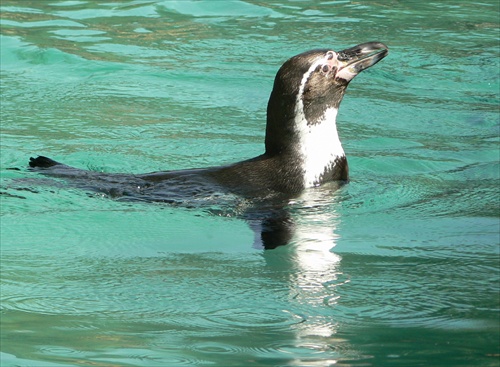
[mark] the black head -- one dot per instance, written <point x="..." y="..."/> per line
<point x="309" y="85"/>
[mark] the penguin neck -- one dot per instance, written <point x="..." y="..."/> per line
<point x="313" y="148"/>
<point x="319" y="149"/>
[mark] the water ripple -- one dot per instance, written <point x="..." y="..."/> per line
<point x="269" y="319"/>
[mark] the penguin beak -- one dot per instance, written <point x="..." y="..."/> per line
<point x="354" y="60"/>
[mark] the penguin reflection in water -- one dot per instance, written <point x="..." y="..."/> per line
<point x="302" y="150"/>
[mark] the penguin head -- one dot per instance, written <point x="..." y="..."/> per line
<point x="309" y="87"/>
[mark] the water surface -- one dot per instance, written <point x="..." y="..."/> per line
<point x="398" y="268"/>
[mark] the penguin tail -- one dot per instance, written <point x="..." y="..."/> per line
<point x="42" y="162"/>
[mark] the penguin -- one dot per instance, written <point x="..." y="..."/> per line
<point x="302" y="148"/>
<point x="302" y="145"/>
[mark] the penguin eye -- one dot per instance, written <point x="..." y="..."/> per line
<point x="326" y="68"/>
<point x="329" y="55"/>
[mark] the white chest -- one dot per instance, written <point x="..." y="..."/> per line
<point x="320" y="147"/>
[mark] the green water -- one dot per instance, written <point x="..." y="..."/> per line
<point x="398" y="268"/>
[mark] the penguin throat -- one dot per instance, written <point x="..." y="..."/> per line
<point x="320" y="149"/>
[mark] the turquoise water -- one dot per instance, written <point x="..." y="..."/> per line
<point x="398" y="268"/>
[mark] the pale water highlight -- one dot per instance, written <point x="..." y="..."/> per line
<point x="401" y="267"/>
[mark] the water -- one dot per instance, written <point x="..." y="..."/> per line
<point x="398" y="268"/>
